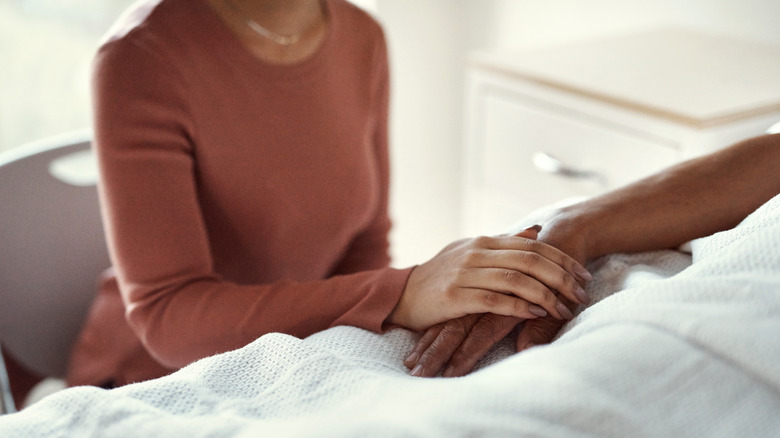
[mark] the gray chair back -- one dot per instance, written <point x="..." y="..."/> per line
<point x="52" y="249"/>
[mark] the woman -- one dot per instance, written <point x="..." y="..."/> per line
<point x="244" y="183"/>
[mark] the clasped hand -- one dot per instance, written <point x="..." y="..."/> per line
<point x="483" y="287"/>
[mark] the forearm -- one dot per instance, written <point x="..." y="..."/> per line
<point x="692" y="199"/>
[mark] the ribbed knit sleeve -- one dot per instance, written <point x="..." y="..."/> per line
<point x="213" y="245"/>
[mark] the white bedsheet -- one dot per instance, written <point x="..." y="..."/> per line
<point x="696" y="354"/>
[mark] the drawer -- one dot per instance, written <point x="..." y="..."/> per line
<point x="543" y="153"/>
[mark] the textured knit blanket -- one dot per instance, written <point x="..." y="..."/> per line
<point x="670" y="349"/>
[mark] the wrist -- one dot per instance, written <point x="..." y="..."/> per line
<point x="574" y="230"/>
<point x="401" y="313"/>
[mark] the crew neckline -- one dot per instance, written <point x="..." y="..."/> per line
<point x="227" y="43"/>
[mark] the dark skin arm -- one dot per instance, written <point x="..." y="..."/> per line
<point x="693" y="199"/>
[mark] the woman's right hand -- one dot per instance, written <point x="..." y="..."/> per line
<point x="505" y="275"/>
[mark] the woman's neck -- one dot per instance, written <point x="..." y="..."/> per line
<point x="282" y="17"/>
<point x="277" y="31"/>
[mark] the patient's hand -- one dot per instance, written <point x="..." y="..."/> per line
<point x="458" y="344"/>
<point x="454" y="347"/>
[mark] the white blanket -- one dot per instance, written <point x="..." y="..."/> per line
<point x="694" y="353"/>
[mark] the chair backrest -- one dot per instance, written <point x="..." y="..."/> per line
<point x="52" y="249"/>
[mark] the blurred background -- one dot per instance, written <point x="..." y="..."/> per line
<point x="45" y="51"/>
<point x="46" y="47"/>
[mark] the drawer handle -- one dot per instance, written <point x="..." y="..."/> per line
<point x="548" y="163"/>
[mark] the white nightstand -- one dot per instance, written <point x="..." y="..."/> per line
<point x="580" y="119"/>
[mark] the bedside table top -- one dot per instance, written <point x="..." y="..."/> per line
<point x="695" y="78"/>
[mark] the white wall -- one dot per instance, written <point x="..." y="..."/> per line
<point x="425" y="55"/>
<point x="429" y="42"/>
<point x="526" y="22"/>
<point x="46" y="47"/>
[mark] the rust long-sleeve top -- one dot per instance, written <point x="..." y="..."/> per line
<point x="242" y="197"/>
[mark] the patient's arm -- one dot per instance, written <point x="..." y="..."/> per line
<point x="692" y="199"/>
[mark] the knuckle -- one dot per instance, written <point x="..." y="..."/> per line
<point x="461" y="357"/>
<point x="538" y="333"/>
<point x="486" y="330"/>
<point x="482" y="241"/>
<point x="569" y="283"/>
<point x="465" y="358"/>
<point x="519" y="307"/>
<point x="513" y="278"/>
<point x="549" y="298"/>
<point x="454" y="328"/>
<point x="430" y="335"/>
<point x="430" y="354"/>
<point x="471" y="256"/>
<point x="530" y="259"/>
<point x="457" y="277"/>
<point x="545" y="327"/>
<point x="488" y="325"/>
<point x="491" y="299"/>
<point x="533" y="245"/>
<point x="451" y="295"/>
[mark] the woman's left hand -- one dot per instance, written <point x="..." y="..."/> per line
<point x="454" y="347"/>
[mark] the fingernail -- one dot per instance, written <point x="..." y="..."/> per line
<point x="449" y="372"/>
<point x="537" y="310"/>
<point x="583" y="273"/>
<point x="417" y="371"/>
<point x="582" y="297"/>
<point x="536" y="227"/>
<point x="412" y="359"/>
<point x="564" y="311"/>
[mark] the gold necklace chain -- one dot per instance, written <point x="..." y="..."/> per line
<point x="282" y="40"/>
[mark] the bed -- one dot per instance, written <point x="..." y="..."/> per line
<point x="676" y="344"/>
